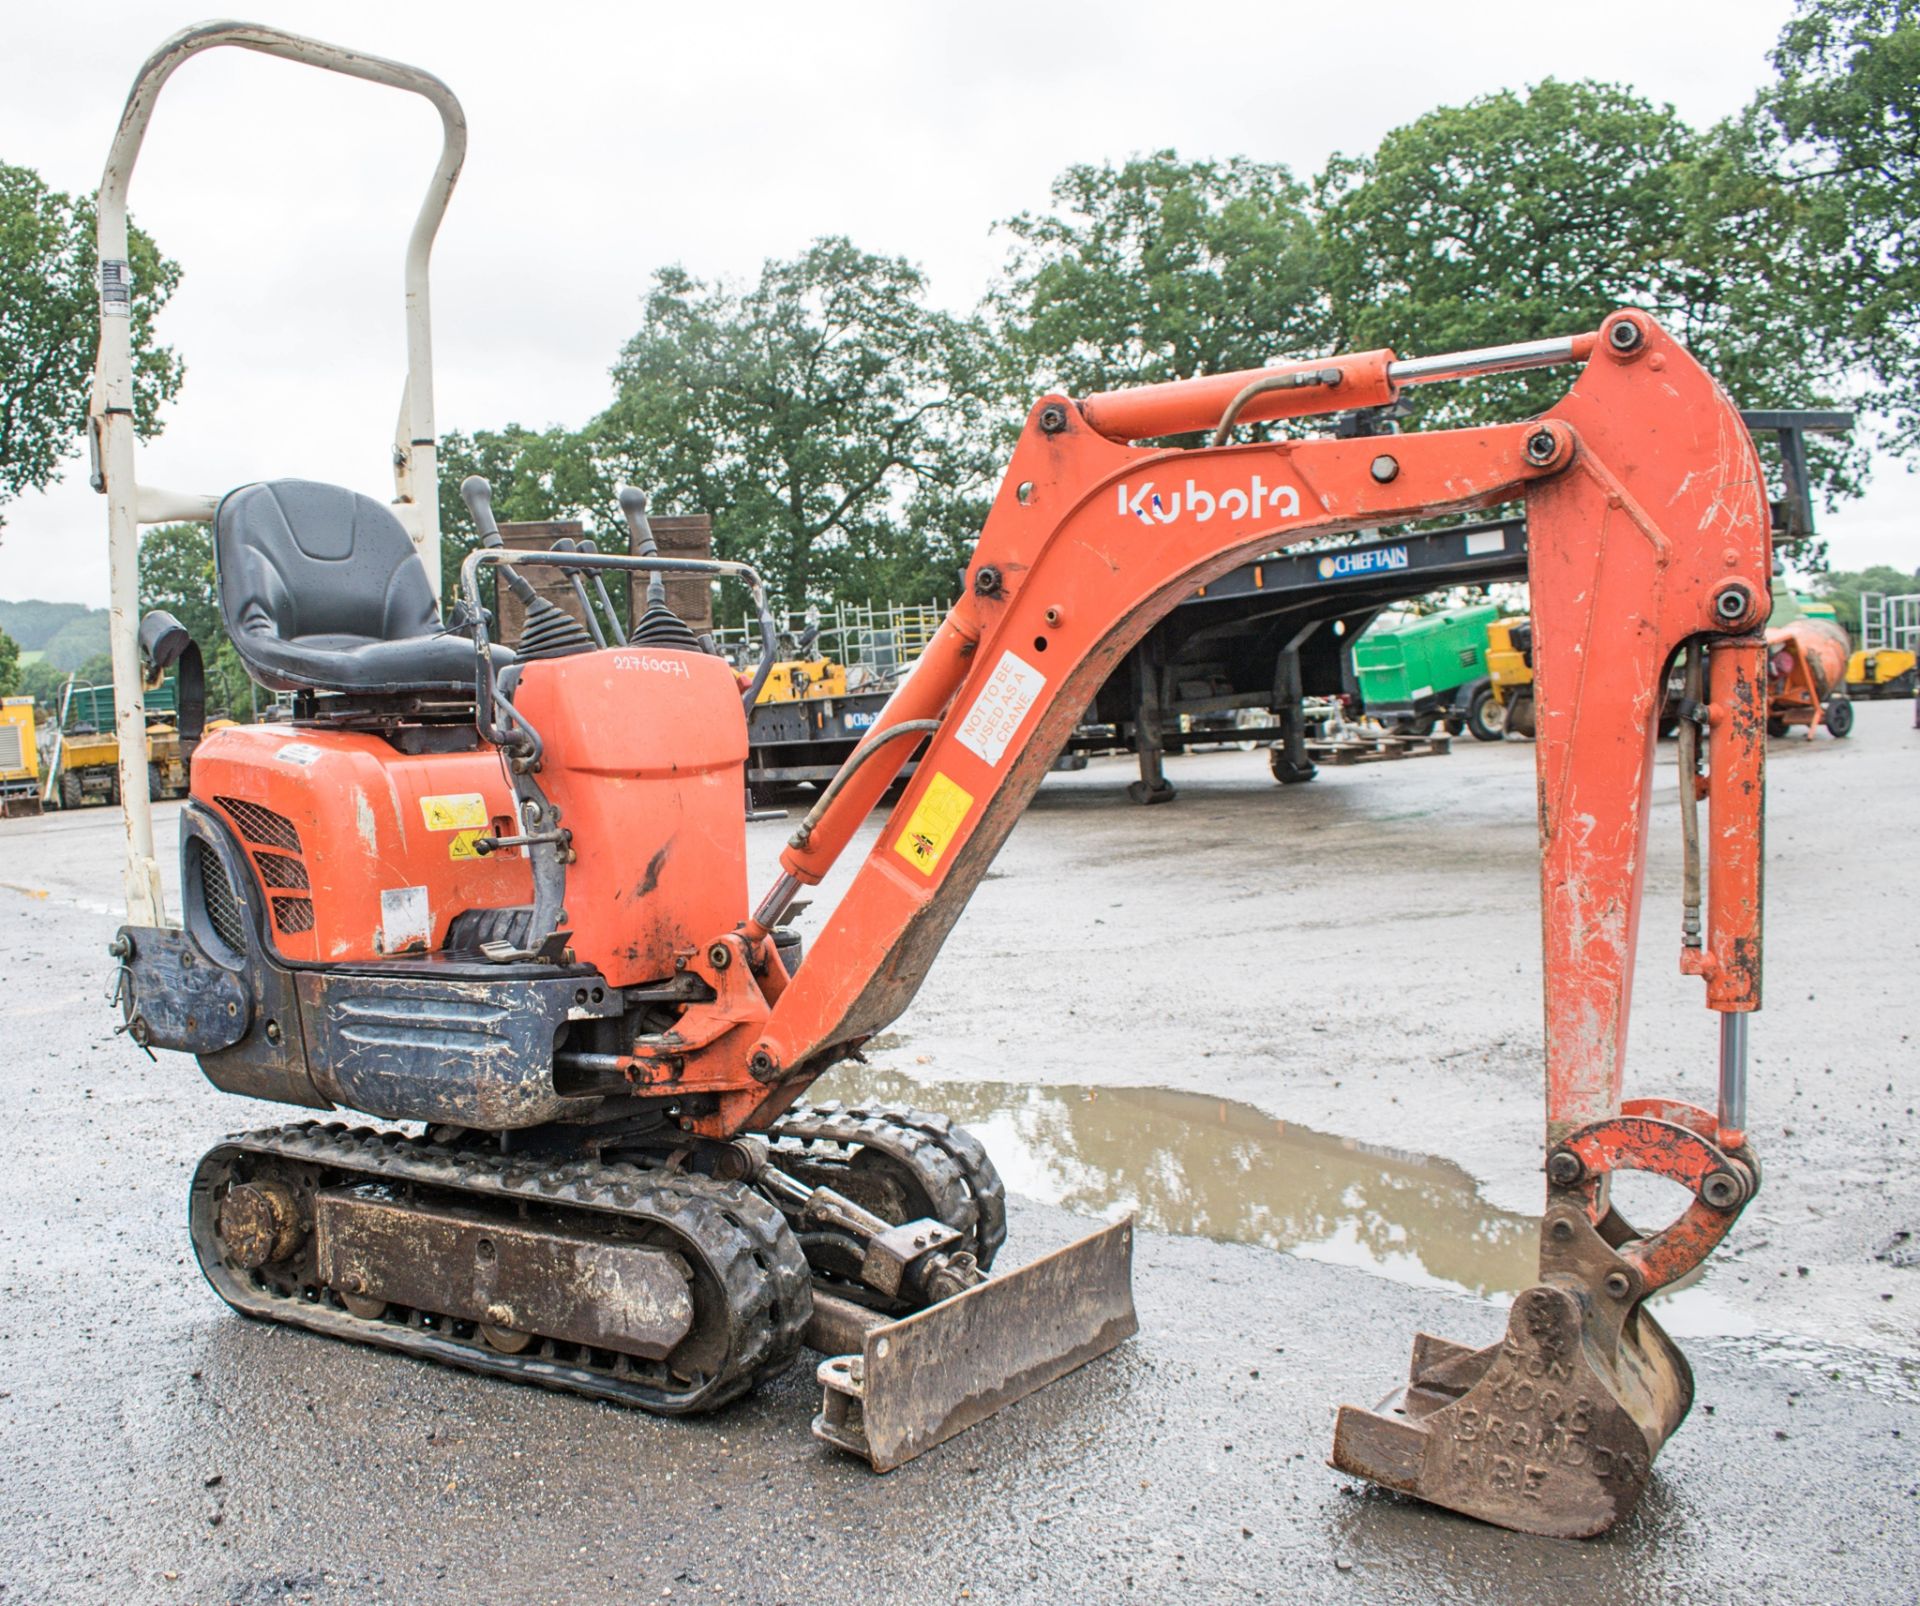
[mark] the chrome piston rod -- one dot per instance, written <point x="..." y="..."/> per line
<point x="1733" y="1071"/>
<point x="1485" y="360"/>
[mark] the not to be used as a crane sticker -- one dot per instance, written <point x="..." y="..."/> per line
<point x="1013" y="687"/>
<point x="935" y="819"/>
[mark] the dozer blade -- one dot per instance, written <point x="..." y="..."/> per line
<point x="920" y="1380"/>
<point x="1553" y="1431"/>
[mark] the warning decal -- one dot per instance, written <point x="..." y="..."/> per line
<point x="936" y="817"/>
<point x="456" y="811"/>
<point x="993" y="721"/>
<point x="461" y="847"/>
<point x="406" y="919"/>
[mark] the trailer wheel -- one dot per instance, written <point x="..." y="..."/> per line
<point x="1520" y="714"/>
<point x="1486" y="717"/>
<point x="1285" y="771"/>
<point x="1415" y="725"/>
<point x="1776" y="726"/>
<point x="69" y="790"/>
<point x="1839" y="716"/>
<point x="156" y="783"/>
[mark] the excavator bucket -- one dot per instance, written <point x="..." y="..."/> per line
<point x="1553" y="1430"/>
<point x="918" y="1381"/>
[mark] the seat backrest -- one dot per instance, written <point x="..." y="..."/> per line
<point x="299" y="560"/>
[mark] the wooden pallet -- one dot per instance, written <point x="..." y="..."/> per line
<point x="1375" y="749"/>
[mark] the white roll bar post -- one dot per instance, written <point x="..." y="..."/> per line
<point x="110" y="411"/>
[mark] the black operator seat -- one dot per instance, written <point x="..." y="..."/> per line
<point x="322" y="591"/>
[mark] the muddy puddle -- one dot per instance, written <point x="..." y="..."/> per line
<point x="1211" y="1168"/>
<point x="1190" y="1164"/>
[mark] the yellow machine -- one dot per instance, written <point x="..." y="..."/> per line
<point x="86" y="757"/>
<point x="794" y="680"/>
<point x="1507" y="704"/>
<point x="19" y="758"/>
<point x="1885" y="664"/>
<point x="1887" y="673"/>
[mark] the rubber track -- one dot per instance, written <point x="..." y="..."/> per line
<point x="742" y="1240"/>
<point x="947" y="1159"/>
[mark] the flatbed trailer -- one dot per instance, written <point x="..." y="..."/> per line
<point x="1261" y="639"/>
<point x="1262" y="636"/>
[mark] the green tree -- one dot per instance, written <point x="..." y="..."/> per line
<point x="177" y="574"/>
<point x="827" y="417"/>
<point x="9" y="665"/>
<point x="1843" y="125"/>
<point x="1524" y="215"/>
<point x="534" y="475"/>
<point x="1159" y="269"/>
<point x="43" y="682"/>
<point x="49" y="328"/>
<point x="1843" y="587"/>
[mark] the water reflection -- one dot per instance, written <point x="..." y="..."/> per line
<point x="1212" y="1168"/>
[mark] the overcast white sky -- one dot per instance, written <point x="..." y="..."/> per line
<point x="608" y="139"/>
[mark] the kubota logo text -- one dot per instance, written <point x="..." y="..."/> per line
<point x="1258" y="500"/>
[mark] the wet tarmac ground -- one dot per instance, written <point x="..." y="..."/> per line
<point x="1297" y="1032"/>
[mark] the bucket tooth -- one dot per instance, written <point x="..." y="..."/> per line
<point x="1552" y="1431"/>
<point x="920" y="1380"/>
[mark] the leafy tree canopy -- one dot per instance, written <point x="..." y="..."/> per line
<point x="1524" y="215"/>
<point x="177" y="574"/>
<point x="845" y="435"/>
<point x="818" y="415"/>
<point x="49" y="328"/>
<point x="1842" y="126"/>
<point x="9" y="665"/>
<point x="1161" y="269"/>
<point x="1844" y="587"/>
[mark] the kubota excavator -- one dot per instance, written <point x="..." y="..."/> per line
<point x="503" y="894"/>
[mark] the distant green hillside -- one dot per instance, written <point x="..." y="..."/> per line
<point x="65" y="634"/>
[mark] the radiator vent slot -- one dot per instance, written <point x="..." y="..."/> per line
<point x="293" y="915"/>
<point x="261" y="825"/>
<point x="277" y="871"/>
<point x="216" y="896"/>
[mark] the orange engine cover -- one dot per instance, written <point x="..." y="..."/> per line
<point x="645" y="757"/>
<point x="361" y="850"/>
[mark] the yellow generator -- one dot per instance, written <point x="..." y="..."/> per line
<point x="19" y="758"/>
<point x="1884" y="665"/>
<point x="1505" y="703"/>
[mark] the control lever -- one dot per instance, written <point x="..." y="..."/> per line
<point x="549" y="632"/>
<point x="658" y="625"/>
<point x="478" y="495"/>
<point x="567" y="544"/>
<point x="587" y="544"/>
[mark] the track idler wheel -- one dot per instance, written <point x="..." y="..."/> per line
<point x="260" y="1222"/>
<point x="1553" y="1430"/>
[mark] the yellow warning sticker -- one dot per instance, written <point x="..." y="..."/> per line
<point x="461" y="847"/>
<point x="455" y="811"/>
<point x="935" y="819"/>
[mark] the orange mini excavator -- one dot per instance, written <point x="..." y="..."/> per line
<point x="503" y="894"/>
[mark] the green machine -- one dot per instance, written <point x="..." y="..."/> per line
<point x="1414" y="674"/>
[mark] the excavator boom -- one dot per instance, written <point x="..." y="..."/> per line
<point x="1648" y="533"/>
